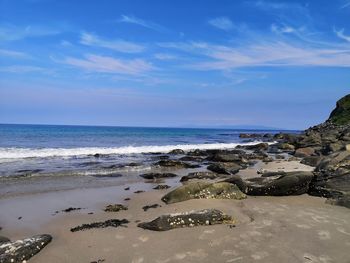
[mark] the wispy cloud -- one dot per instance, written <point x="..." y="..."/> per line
<point x="347" y="4"/>
<point x="9" y="32"/>
<point x="340" y="34"/>
<point x="117" y="45"/>
<point x="222" y="23"/>
<point x="13" y="54"/>
<point x="282" y="29"/>
<point x="104" y="64"/>
<point x="138" y="21"/>
<point x="265" y="54"/>
<point x="22" y="69"/>
<point x="165" y="56"/>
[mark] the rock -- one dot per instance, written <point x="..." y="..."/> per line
<point x="347" y="147"/>
<point x="177" y="151"/>
<point x="341" y="114"/>
<point x="332" y="147"/>
<point x="191" y="159"/>
<point x="23" y="250"/>
<point x="175" y="164"/>
<point x="269" y="174"/>
<point x="288" y="183"/>
<point x="70" y="209"/>
<point x="303" y="152"/>
<point x="190" y="219"/>
<point x="161" y="187"/>
<point x="146" y="207"/>
<point x="226" y="157"/>
<point x="279" y="157"/>
<point x="115" y="208"/>
<point x="197" y="152"/>
<point x="250" y="135"/>
<point x="139" y="192"/>
<point x="199" y="175"/>
<point x="285" y="147"/>
<point x="224" y="168"/>
<point x="157" y="175"/>
<point x="107" y="223"/>
<point x="311" y="160"/>
<point x="4" y="239"/>
<point x="343" y="200"/>
<point x="203" y="190"/>
<point x="260" y="146"/>
<point x="332" y="176"/>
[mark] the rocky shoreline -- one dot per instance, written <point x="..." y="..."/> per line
<point x="221" y="178"/>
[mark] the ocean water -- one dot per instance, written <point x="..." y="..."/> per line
<point x="33" y="150"/>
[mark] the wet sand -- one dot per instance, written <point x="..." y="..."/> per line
<point x="267" y="229"/>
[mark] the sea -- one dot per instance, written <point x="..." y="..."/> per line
<point x="57" y="152"/>
<point x="42" y="149"/>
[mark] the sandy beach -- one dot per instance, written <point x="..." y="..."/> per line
<point x="266" y="229"/>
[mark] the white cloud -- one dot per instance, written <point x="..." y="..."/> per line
<point x="340" y="34"/>
<point x="164" y="56"/>
<point x="282" y="29"/>
<point x="117" y="45"/>
<point x="13" y="54"/>
<point x="65" y="43"/>
<point x="103" y="64"/>
<point x="141" y="22"/>
<point x="222" y="23"/>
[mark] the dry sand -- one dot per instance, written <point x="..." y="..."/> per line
<point x="268" y="229"/>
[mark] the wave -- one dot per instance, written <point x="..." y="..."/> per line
<point x="7" y="154"/>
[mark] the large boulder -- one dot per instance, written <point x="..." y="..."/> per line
<point x="227" y="157"/>
<point x="22" y="250"/>
<point x="303" y="152"/>
<point x="287" y="183"/>
<point x="332" y="176"/>
<point x="189" y="219"/>
<point x="206" y="190"/>
<point x="224" y="168"/>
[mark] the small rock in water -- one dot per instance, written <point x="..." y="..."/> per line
<point x="190" y="219"/>
<point x="161" y="187"/>
<point x="127" y="188"/>
<point x="98" y="261"/>
<point x="19" y="218"/>
<point x="146" y="207"/>
<point x="22" y="250"/>
<point x="107" y="223"/>
<point x="70" y="209"/>
<point x="126" y="199"/>
<point x="139" y="191"/>
<point x="115" y="208"/>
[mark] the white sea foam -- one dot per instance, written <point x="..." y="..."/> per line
<point x="7" y="154"/>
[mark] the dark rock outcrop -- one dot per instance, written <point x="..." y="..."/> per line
<point x="224" y="168"/>
<point x="287" y="183"/>
<point x="177" y="151"/>
<point x="107" y="223"/>
<point x="157" y="175"/>
<point x="341" y="114"/>
<point x="23" y="250"/>
<point x="175" y="164"/>
<point x="161" y="187"/>
<point x="199" y="190"/>
<point x="190" y="219"/>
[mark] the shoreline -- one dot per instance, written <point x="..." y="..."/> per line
<point x="265" y="226"/>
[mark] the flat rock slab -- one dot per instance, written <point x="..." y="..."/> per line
<point x="203" y="190"/>
<point x="24" y="249"/>
<point x="107" y="223"/>
<point x="189" y="219"/>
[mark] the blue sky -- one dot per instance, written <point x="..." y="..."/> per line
<point x="173" y="63"/>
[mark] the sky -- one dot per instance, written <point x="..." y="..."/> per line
<point x="181" y="63"/>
